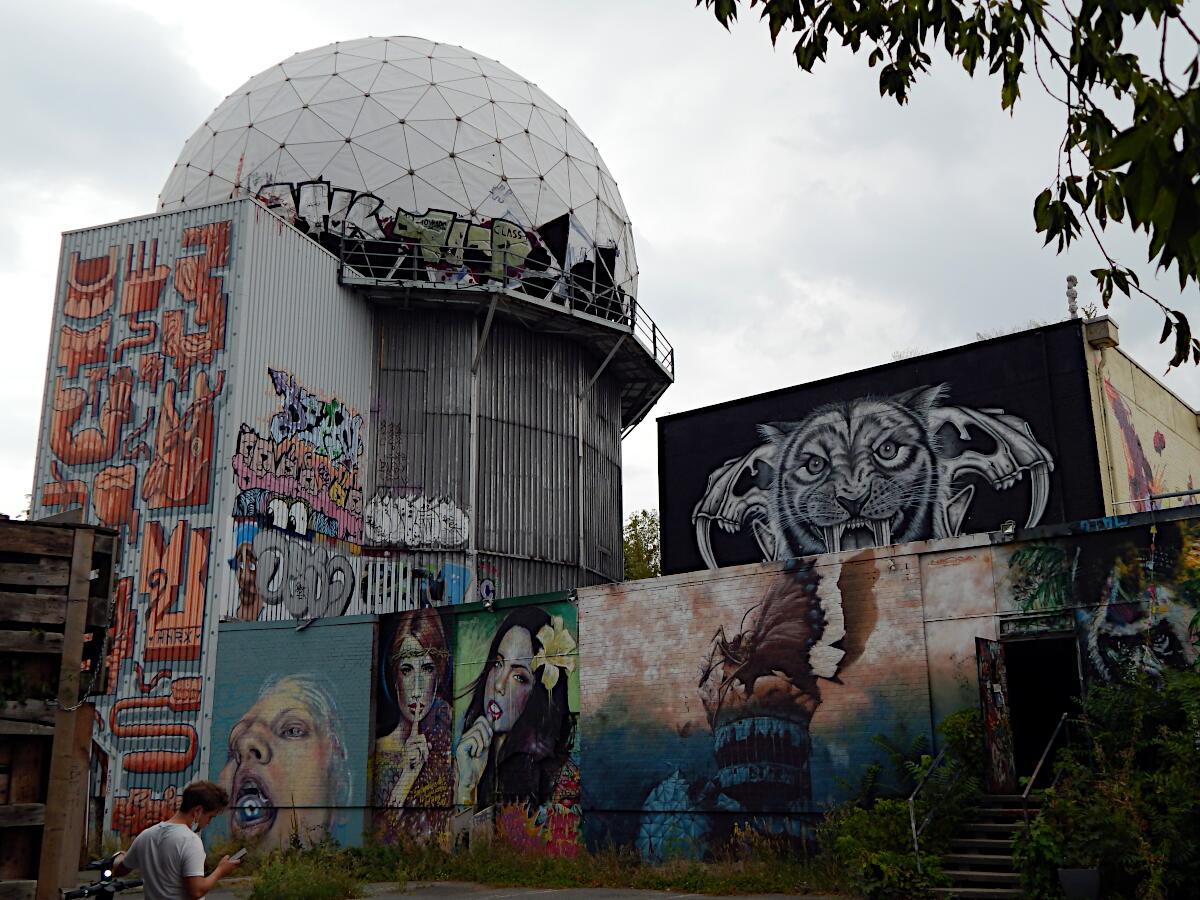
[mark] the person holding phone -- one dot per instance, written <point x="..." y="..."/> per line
<point x="170" y="855"/>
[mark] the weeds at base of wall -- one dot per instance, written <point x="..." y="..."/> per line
<point x="327" y="872"/>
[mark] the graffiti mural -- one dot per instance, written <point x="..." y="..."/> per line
<point x="738" y="699"/>
<point x="304" y="573"/>
<point x="413" y="766"/>
<point x="1133" y="595"/>
<point x="870" y="472"/>
<point x="416" y="522"/>
<point x="516" y="760"/>
<point x="137" y="376"/>
<point x="291" y="730"/>
<point x="303" y="475"/>
<point x="447" y="247"/>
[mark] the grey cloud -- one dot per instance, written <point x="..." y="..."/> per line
<point x="98" y="93"/>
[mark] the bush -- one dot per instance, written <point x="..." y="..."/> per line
<point x="303" y="876"/>
<point x="1125" y="798"/>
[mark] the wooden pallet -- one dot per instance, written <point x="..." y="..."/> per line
<point x="55" y="591"/>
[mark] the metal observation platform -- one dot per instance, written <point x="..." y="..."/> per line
<point x="581" y="304"/>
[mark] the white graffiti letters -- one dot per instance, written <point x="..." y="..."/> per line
<point x="415" y="522"/>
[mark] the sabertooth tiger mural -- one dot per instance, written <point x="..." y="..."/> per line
<point x="870" y="472"/>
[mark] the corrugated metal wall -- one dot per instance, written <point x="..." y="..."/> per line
<point x="140" y="368"/>
<point x="526" y="510"/>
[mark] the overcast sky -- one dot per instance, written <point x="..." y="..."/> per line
<point x="789" y="226"/>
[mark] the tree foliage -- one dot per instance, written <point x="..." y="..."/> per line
<point x="1141" y="163"/>
<point x="641" y="545"/>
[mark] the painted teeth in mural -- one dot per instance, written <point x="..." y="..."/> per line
<point x="870" y="472"/>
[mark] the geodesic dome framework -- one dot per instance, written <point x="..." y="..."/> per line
<point x="427" y="160"/>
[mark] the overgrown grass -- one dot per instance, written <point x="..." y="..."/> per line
<point x="330" y="873"/>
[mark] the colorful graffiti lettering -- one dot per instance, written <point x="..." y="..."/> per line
<point x="415" y="522"/>
<point x="305" y="475"/>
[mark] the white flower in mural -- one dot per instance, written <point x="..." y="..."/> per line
<point x="558" y="648"/>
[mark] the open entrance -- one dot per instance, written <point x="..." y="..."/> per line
<point x="1043" y="683"/>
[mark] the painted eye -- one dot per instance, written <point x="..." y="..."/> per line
<point x="520" y="678"/>
<point x="815" y="465"/>
<point x="293" y="731"/>
<point x="427" y="668"/>
<point x="406" y="669"/>
<point x="278" y="510"/>
<point x="887" y="450"/>
<point x="298" y="518"/>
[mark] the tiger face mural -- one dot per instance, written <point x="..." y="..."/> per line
<point x="869" y="472"/>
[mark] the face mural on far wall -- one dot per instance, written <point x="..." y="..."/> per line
<point x="516" y="753"/>
<point x="869" y="472"/>
<point x="289" y="732"/>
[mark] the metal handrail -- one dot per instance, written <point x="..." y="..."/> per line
<point x="1038" y="768"/>
<point x="912" y="808"/>
<point x="399" y="263"/>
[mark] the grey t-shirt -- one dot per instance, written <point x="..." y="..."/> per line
<point x="165" y="854"/>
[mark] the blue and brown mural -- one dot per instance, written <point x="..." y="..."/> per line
<point x="136" y="377"/>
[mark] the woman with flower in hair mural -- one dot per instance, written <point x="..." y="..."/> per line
<point x="413" y="730"/>
<point x="517" y="733"/>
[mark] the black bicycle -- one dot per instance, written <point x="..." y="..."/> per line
<point x="107" y="885"/>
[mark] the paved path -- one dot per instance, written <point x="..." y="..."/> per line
<point x="450" y="889"/>
<point x="239" y="889"/>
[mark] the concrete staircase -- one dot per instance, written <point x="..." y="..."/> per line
<point x="980" y="862"/>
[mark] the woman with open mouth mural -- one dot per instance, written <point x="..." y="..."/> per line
<point x="286" y="772"/>
<point x="514" y="753"/>
<point x="413" y="778"/>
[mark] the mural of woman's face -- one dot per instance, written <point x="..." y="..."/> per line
<point x="279" y="757"/>
<point x="509" y="680"/>
<point x="416" y="679"/>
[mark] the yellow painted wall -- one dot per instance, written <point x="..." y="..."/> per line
<point x="1148" y="439"/>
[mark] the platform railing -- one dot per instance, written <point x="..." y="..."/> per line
<point x="586" y="288"/>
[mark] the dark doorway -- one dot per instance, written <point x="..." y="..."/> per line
<point x="1043" y="683"/>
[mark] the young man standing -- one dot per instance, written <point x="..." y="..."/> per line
<point x="170" y="854"/>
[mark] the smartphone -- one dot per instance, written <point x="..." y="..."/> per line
<point x="238" y="855"/>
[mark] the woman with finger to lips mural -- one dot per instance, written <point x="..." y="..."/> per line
<point x="412" y="748"/>
<point x="514" y="753"/>
<point x="286" y="771"/>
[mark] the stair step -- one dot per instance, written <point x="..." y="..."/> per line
<point x="1004" y="812"/>
<point x="982" y="860"/>
<point x="993" y="827"/>
<point x="977" y="892"/>
<point x="958" y="876"/>
<point x="1009" y="800"/>
<point x="999" y="845"/>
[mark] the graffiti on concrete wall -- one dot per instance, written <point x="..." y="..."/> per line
<point x="136" y="378"/>
<point x="290" y="737"/>
<point x="303" y="475"/>
<point x="1133" y="595"/>
<point x="870" y="472"/>
<point x="737" y="701"/>
<point x="415" y="522"/>
<point x="515" y="758"/>
<point x="413" y="766"/>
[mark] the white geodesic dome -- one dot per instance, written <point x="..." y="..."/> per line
<point x="402" y="140"/>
